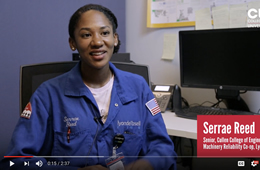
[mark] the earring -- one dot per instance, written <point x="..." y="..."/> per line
<point x="73" y="48"/>
<point x="115" y="44"/>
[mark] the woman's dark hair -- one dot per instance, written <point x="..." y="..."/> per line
<point x="76" y="16"/>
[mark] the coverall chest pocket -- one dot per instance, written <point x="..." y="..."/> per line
<point x="132" y="144"/>
<point x="67" y="144"/>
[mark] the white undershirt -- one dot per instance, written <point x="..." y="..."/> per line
<point x="102" y="96"/>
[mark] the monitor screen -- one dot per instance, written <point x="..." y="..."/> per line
<point x="220" y="58"/>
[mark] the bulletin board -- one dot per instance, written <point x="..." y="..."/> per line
<point x="165" y="22"/>
<point x="181" y="13"/>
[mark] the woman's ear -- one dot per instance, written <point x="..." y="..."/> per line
<point x="72" y="44"/>
<point x="116" y="39"/>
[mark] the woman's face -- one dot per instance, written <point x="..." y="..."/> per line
<point x="94" y="39"/>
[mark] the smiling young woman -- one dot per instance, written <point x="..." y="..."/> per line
<point x="95" y="111"/>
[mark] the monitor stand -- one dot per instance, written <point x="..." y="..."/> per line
<point x="232" y="99"/>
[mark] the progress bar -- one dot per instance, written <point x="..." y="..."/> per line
<point x="54" y="156"/>
<point x="68" y="156"/>
<point x="18" y="156"/>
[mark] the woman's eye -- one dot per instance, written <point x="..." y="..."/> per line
<point x="86" y="35"/>
<point x="105" y="33"/>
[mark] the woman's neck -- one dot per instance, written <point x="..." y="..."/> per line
<point x="96" y="78"/>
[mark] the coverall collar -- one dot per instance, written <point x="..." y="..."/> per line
<point x="76" y="87"/>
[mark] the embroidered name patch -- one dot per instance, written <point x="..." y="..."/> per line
<point x="27" y="112"/>
<point x="71" y="121"/>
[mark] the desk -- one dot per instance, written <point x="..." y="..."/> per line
<point x="177" y="126"/>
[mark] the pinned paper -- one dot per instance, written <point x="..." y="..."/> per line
<point x="237" y="15"/>
<point x="221" y="16"/>
<point x="169" y="46"/>
<point x="203" y="19"/>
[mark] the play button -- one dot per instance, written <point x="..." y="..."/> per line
<point x="11" y="163"/>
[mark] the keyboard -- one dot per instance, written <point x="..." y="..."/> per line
<point x="192" y="112"/>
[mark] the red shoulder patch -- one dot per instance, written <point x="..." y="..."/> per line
<point x="27" y="112"/>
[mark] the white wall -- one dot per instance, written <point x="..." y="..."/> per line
<point x="146" y="46"/>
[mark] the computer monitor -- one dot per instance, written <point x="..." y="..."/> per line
<point x="223" y="59"/>
<point x="31" y="76"/>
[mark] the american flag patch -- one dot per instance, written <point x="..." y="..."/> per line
<point x="153" y="106"/>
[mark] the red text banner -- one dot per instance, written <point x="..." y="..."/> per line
<point x="228" y="136"/>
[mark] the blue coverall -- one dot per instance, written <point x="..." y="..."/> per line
<point x="65" y="103"/>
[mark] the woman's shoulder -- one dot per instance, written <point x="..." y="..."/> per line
<point x="57" y="82"/>
<point x="130" y="77"/>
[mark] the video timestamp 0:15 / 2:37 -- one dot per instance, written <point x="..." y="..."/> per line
<point x="58" y="163"/>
